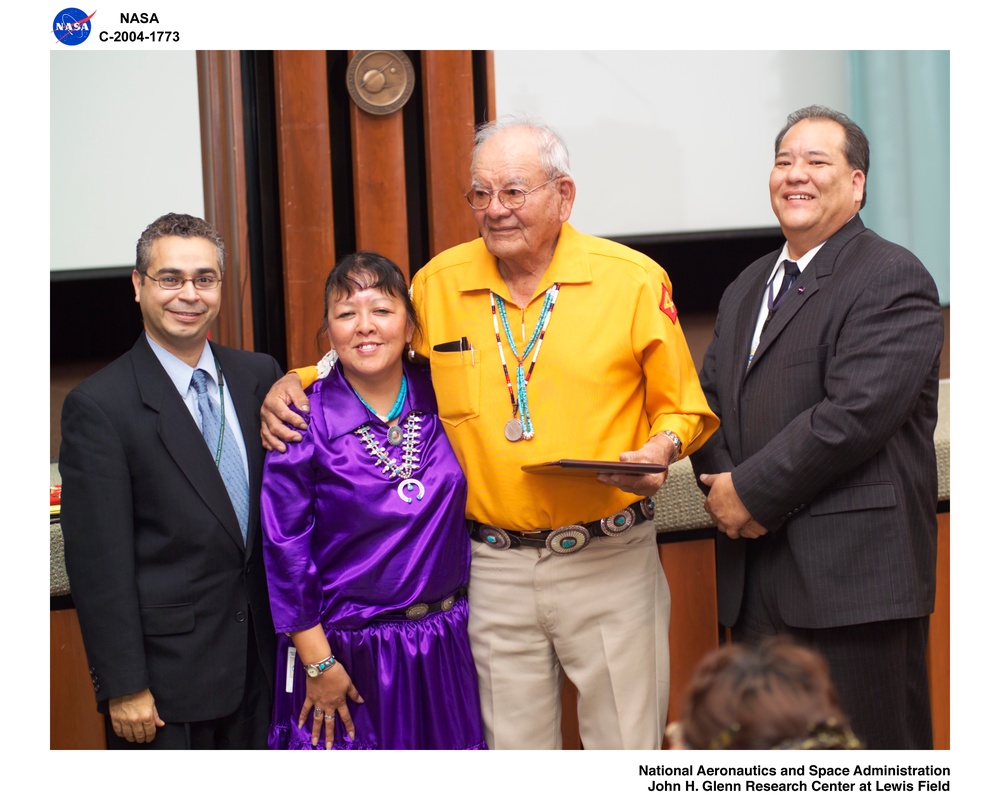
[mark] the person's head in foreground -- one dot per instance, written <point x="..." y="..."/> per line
<point x="775" y="696"/>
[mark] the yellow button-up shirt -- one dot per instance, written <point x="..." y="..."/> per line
<point x="613" y="369"/>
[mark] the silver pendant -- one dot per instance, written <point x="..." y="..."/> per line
<point x="395" y="435"/>
<point x="410" y="483"/>
<point x="513" y="430"/>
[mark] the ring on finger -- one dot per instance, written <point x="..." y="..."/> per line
<point x="329" y="717"/>
<point x="317" y="712"/>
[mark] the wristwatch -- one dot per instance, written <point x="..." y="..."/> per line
<point x="677" y="444"/>
<point x="317" y="669"/>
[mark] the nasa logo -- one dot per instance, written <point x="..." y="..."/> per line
<point x="72" y="26"/>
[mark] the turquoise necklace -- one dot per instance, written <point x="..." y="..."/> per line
<point x="520" y="425"/>
<point x="395" y="435"/>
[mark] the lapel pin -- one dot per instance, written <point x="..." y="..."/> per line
<point x="802" y="289"/>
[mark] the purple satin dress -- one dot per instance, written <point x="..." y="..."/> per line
<point x="343" y="546"/>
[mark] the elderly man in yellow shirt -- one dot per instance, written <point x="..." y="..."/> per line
<point x="547" y="344"/>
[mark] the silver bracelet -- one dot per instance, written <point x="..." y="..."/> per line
<point x="317" y="669"/>
<point x="677" y="444"/>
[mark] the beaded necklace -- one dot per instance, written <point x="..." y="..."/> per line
<point x="222" y="405"/>
<point x="520" y="426"/>
<point x="389" y="465"/>
<point x="395" y="434"/>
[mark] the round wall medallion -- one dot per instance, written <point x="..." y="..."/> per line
<point x="380" y="81"/>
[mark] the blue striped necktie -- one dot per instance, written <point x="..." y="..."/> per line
<point x="224" y="450"/>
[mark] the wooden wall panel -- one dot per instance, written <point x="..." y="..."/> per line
<point x="74" y="722"/>
<point x="306" y="191"/>
<point x="224" y="175"/>
<point x="449" y="126"/>
<point x="939" y="641"/>
<point x="570" y="719"/>
<point x="380" y="211"/>
<point x="694" y="627"/>
<point x="491" y="95"/>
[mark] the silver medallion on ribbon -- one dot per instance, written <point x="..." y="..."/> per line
<point x="513" y="430"/>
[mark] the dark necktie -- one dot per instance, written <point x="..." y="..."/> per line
<point x="222" y="444"/>
<point x="791" y="273"/>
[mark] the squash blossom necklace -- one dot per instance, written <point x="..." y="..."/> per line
<point x="395" y="437"/>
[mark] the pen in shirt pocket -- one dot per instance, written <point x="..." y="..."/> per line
<point x="459" y="345"/>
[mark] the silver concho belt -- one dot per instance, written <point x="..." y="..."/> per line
<point x="566" y="539"/>
<point x="420" y="610"/>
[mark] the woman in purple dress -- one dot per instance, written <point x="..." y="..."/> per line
<point x="366" y="547"/>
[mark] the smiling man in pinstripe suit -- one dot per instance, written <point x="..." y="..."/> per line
<point x="822" y="478"/>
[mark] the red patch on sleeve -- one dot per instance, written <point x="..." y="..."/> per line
<point x="667" y="305"/>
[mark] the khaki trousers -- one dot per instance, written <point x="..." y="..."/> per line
<point x="600" y="616"/>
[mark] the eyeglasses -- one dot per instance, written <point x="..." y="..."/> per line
<point x="203" y="283"/>
<point x="480" y="199"/>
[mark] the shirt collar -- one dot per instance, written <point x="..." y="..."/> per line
<point x="802" y="262"/>
<point x="570" y="264"/>
<point x="180" y="372"/>
<point x="344" y="412"/>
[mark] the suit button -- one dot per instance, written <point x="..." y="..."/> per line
<point x="97" y="687"/>
<point x="241" y="616"/>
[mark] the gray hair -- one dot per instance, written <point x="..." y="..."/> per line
<point x="183" y="225"/>
<point x="856" y="148"/>
<point x="552" y="151"/>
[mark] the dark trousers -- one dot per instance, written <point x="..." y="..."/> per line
<point x="244" y="729"/>
<point x="878" y="668"/>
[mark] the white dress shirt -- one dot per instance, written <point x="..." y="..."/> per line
<point x="180" y="374"/>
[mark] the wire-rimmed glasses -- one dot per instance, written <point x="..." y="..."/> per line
<point x="510" y="197"/>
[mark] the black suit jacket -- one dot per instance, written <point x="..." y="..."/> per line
<point x="163" y="584"/>
<point x="829" y="432"/>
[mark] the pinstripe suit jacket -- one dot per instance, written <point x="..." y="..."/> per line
<point x="829" y="432"/>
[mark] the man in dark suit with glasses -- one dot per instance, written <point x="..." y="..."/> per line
<point x="161" y="465"/>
